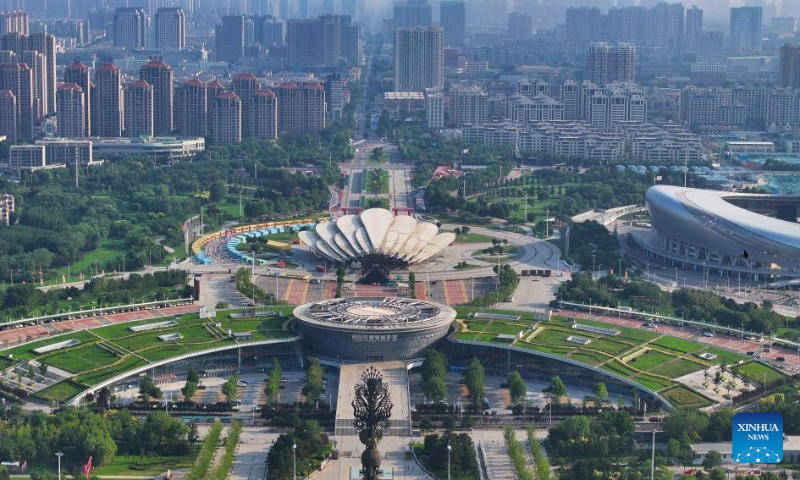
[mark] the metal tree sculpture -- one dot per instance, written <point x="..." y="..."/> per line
<point x="372" y="408"/>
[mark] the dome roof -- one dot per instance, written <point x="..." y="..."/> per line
<point x="377" y="232"/>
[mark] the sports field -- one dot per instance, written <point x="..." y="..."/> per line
<point x="111" y="350"/>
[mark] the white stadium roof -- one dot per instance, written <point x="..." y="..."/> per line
<point x="376" y="232"/>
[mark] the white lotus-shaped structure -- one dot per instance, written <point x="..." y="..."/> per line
<point x="376" y="232"/>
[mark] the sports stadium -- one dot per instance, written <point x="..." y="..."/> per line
<point x="751" y="235"/>
<point x="376" y="241"/>
<point x="373" y="329"/>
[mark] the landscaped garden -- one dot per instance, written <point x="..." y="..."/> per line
<point x="652" y="360"/>
<point x="105" y="352"/>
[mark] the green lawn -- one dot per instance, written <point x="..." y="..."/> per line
<point x="26" y="351"/>
<point x="681" y="396"/>
<point x="135" y="466"/>
<point x="677" y="368"/>
<point x="495" y="327"/>
<point x="471" y="237"/>
<point x="592" y="358"/>
<point x="757" y="372"/>
<point x="649" y="360"/>
<point x="93" y="378"/>
<point x="638" y="336"/>
<point x="81" y="359"/>
<point x="651" y="382"/>
<point x="464" y="312"/>
<point x="108" y="250"/>
<point x="677" y="345"/>
<point x="729" y="357"/>
<point x="61" y="391"/>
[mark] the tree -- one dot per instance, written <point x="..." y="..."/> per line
<point x="412" y="284"/>
<point x="273" y="381"/>
<point x="475" y="380"/>
<point x="103" y="399"/>
<point x="434" y="369"/>
<point x="600" y="391"/>
<point x="685" y="421"/>
<point x="231" y="388"/>
<point x="464" y="230"/>
<point x="712" y="460"/>
<point x="148" y="389"/>
<point x="188" y="390"/>
<point x="557" y="387"/>
<point x="313" y="382"/>
<point x="193" y="436"/>
<point x="516" y="387"/>
<point x="217" y="191"/>
<point x="192" y="376"/>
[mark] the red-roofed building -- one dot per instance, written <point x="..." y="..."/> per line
<point x="8" y="115"/>
<point x="301" y="109"/>
<point x="227" y="119"/>
<point x="161" y="77"/>
<point x="264" y="114"/>
<point x="71" y="108"/>
<point x="78" y="73"/>
<point x="108" y="118"/>
<point x="139" y="109"/>
<point x="191" y="108"/>
<point x="245" y="85"/>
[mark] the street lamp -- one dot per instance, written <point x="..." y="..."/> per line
<point x="449" y="448"/>
<point x="59" y="455"/>
<point x="653" y="458"/>
<point x="294" y="461"/>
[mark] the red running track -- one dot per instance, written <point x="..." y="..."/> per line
<point x="37" y="332"/>
<point x="724" y="341"/>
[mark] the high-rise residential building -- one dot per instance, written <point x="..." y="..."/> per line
<point x="569" y="98"/>
<point x="334" y="100"/>
<point x="14" y="21"/>
<point x="17" y="78"/>
<point x="745" y="29"/>
<point x="711" y="47"/>
<point x="583" y="24"/>
<point x="469" y="106"/>
<point x="301" y="108"/>
<point x="351" y="42"/>
<point x="71" y="102"/>
<point x="130" y="28"/>
<point x="161" y="78"/>
<point x="520" y="26"/>
<point x="8" y="115"/>
<point x="170" y="29"/>
<point x="453" y="19"/>
<point x="264" y="112"/>
<point x="230" y="38"/>
<point x="108" y="106"/>
<point x="418" y="59"/>
<point x="46" y="45"/>
<point x="6" y="205"/>
<point x="244" y="86"/>
<point x="77" y="73"/>
<point x="790" y="66"/>
<point x="331" y="40"/>
<point x="414" y="13"/>
<point x="191" y="108"/>
<point x="227" y="119"/>
<point x="597" y="63"/>
<point x="38" y="65"/>
<point x="622" y="62"/>
<point x="213" y="89"/>
<point x="138" y="109"/>
<point x="313" y="42"/>
<point x="603" y="108"/>
<point x="270" y="31"/>
<point x="694" y="26"/>
<point x="666" y="28"/>
<point x="614" y="63"/>
<point x="434" y="110"/>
